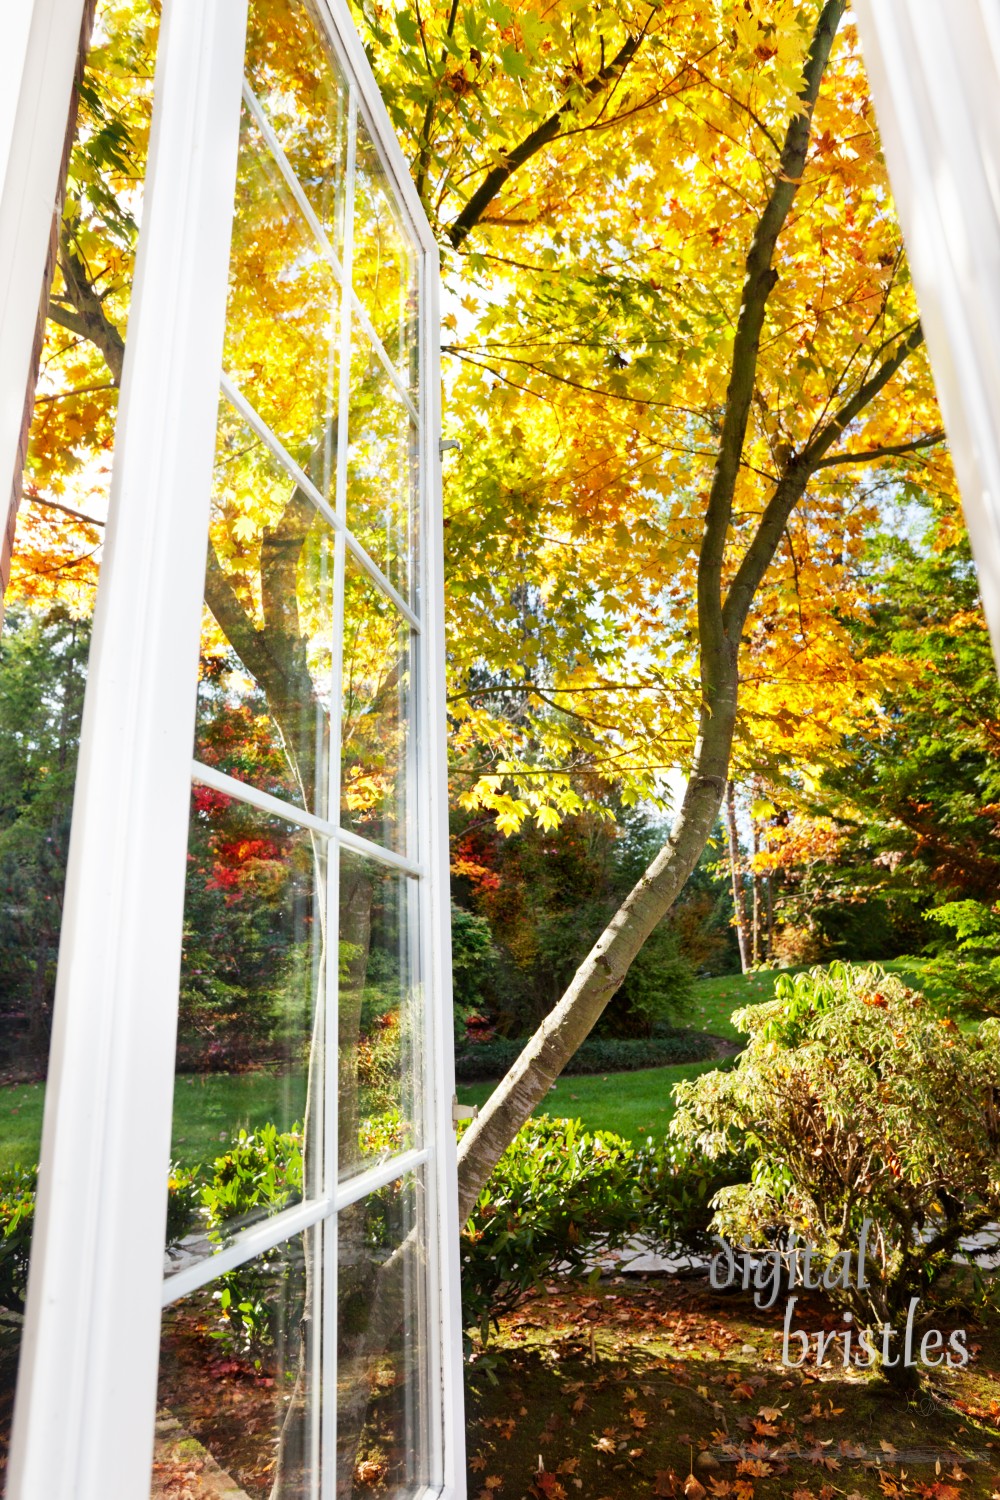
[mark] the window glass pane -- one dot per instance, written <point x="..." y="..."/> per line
<point x="385" y="265"/>
<point x="382" y="1342"/>
<point x="249" y="1049"/>
<point x="375" y="708"/>
<point x="264" y="696"/>
<point x="301" y="90"/>
<point x="282" y="318"/>
<point x="378" y="1017"/>
<point x="237" y="1389"/>
<point x="381" y="467"/>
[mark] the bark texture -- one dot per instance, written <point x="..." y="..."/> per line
<point x="739" y="906"/>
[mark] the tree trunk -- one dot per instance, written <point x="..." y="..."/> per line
<point x="603" y="970"/>
<point x="734" y="869"/>
<point x="722" y="615"/>
<point x="755" y="877"/>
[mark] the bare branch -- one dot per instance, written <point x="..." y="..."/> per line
<point x="872" y="455"/>
<point x="78" y="515"/>
<point x="541" y="136"/>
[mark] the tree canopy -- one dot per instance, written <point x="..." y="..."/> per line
<point x="683" y="361"/>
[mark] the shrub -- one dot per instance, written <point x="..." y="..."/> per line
<point x="560" y="1196"/>
<point x="860" y="1101"/>
<point x="17" y="1213"/>
<point x="675" y="1188"/>
<point x="260" y="1169"/>
<point x="968" y="965"/>
<point x="260" y="1172"/>
<point x="595" y="1055"/>
<point x="473" y="966"/>
<point x="183" y="1198"/>
<point x="557" y="1195"/>
<point x="657" y="989"/>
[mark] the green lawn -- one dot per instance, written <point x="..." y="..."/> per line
<point x="208" y="1109"/>
<point x="20" y="1124"/>
<point x="633" y="1104"/>
<point x="716" y="999"/>
<point x="640" y="1104"/>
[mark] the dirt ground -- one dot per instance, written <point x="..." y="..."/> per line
<point x="667" y="1389"/>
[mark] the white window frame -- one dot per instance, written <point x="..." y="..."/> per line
<point x="37" y="63"/>
<point x="934" y="71"/>
<point x="85" y="1409"/>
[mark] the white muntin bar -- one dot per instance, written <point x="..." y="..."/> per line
<point x="243" y="1247"/>
<point x="322" y="239"/>
<point x="244" y="791"/>
<point x="249" y="414"/>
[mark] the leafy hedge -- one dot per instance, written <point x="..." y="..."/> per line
<point x="486" y="1060"/>
<point x="561" y="1196"/>
<point x="18" y="1187"/>
<point x="17" y="1214"/>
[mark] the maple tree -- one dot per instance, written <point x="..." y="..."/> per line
<point x="678" y="566"/>
<point x="681" y="328"/>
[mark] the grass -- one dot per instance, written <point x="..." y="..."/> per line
<point x="632" y="1104"/>
<point x="20" y="1124"/>
<point x="716" y="999"/>
<point x="639" y="1104"/>
<point x="208" y="1109"/>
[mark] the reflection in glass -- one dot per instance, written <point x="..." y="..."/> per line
<point x="282" y="314"/>
<point x="382" y="1342"/>
<point x="374" y="724"/>
<point x="381" y="467"/>
<point x="379" y="1037"/>
<point x="236" y="1361"/>
<point x="249" y="1049"/>
<point x="385" y="266"/>
<point x="302" y="92"/>
<point x="264" y="695"/>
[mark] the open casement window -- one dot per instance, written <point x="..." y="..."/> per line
<point x="271" y="598"/>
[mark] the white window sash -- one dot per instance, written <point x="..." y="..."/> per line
<point x="84" y="1416"/>
<point x="86" y="1399"/>
<point x="934" y="70"/>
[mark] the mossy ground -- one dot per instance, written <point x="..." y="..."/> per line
<point x="625" y="1390"/>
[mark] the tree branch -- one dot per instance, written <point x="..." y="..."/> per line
<point x="871" y="455"/>
<point x="537" y="138"/>
<point x="792" y="484"/>
<point x="85" y="315"/>
<point x="78" y="515"/>
<point x="719" y="643"/>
